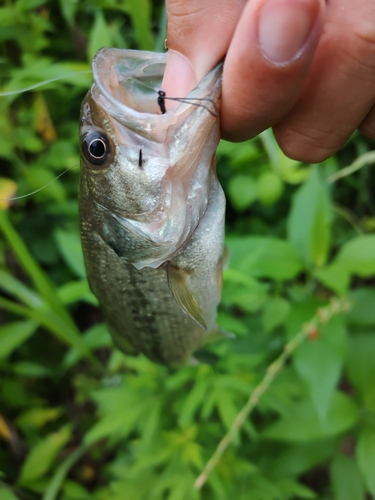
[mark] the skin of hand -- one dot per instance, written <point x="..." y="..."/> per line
<point x="304" y="67"/>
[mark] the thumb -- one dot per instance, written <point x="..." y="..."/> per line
<point x="198" y="36"/>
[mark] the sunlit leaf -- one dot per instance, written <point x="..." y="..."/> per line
<point x="7" y="494"/>
<point x="357" y="256"/>
<point x="8" y="189"/>
<point x="269" y="188"/>
<point x="309" y="222"/>
<point x="41" y="457"/>
<point x="242" y="191"/>
<point x="100" y="35"/>
<point x="140" y="12"/>
<point x="37" y="417"/>
<point x="14" y="334"/>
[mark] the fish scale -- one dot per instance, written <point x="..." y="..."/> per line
<point x="152" y="231"/>
<point x="155" y="327"/>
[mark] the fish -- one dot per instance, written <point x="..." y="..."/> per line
<point x="151" y="207"/>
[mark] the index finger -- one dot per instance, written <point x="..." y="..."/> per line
<point x="199" y="34"/>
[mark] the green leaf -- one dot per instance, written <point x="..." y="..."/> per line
<point x="25" y="5"/>
<point x="346" y="480"/>
<point x="19" y="290"/>
<point x="100" y="35"/>
<point x="269" y="187"/>
<point x="74" y="491"/>
<point x="69" y="244"/>
<point x="61" y="472"/>
<point x="52" y="322"/>
<point x="225" y="405"/>
<point x="297" y="458"/>
<point x="275" y="312"/>
<point x="361" y="366"/>
<point x="310" y="220"/>
<point x="366" y="457"/>
<point x="46" y="183"/>
<point x="14" y="334"/>
<point x="362" y="312"/>
<point x="7" y="16"/>
<point x="248" y="297"/>
<point x="41" y="281"/>
<point x="75" y="291"/>
<point x="95" y="337"/>
<point x="242" y="191"/>
<point x="68" y="10"/>
<point x="301" y="313"/>
<point x="6" y="494"/>
<point x="334" y="277"/>
<point x="140" y="12"/>
<point x="30" y="369"/>
<point x="192" y="402"/>
<point x="37" y="417"/>
<point x="238" y="155"/>
<point x="41" y="457"/>
<point x="264" y="257"/>
<point x="293" y="489"/>
<point x="285" y="167"/>
<point x="302" y="422"/>
<point x="357" y="256"/>
<point x="231" y="324"/>
<point x="319" y="363"/>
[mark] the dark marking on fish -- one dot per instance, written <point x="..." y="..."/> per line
<point x="140" y="160"/>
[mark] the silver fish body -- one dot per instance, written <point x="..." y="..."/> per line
<point x="151" y="207"/>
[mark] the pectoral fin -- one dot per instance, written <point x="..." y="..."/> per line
<point x="178" y="281"/>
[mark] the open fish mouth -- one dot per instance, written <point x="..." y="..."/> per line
<point x="128" y="89"/>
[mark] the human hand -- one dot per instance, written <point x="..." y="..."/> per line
<point x="305" y="68"/>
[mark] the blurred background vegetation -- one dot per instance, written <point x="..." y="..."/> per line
<point x="80" y="421"/>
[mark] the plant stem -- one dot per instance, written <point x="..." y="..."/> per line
<point x="361" y="161"/>
<point x="322" y="316"/>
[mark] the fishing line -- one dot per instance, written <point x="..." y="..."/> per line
<point x="40" y="189"/>
<point x="187" y="100"/>
<point x="45" y="82"/>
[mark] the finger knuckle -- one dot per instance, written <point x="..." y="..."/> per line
<point x="308" y="145"/>
<point x="360" y="49"/>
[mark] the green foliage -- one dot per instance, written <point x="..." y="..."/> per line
<point x="78" y="420"/>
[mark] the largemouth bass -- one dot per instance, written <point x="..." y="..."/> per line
<point x="151" y="206"/>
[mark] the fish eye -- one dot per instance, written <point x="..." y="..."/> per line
<point x="96" y="148"/>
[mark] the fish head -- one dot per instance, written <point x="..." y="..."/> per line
<point x="145" y="175"/>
